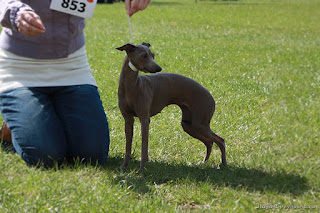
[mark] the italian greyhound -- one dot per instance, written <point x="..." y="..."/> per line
<point x="144" y="96"/>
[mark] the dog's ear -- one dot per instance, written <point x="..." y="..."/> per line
<point x="146" y="44"/>
<point x="127" y="47"/>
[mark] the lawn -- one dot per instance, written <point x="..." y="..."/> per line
<point x="260" y="59"/>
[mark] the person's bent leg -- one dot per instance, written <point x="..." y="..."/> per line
<point x="37" y="133"/>
<point x="81" y="112"/>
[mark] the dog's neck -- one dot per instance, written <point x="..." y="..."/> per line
<point x="129" y="78"/>
<point x="132" y="66"/>
<point x="128" y="74"/>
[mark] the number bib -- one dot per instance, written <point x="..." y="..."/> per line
<point x="81" y="8"/>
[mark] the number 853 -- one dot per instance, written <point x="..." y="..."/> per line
<point x="74" y="5"/>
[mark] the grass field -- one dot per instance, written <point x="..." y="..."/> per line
<point x="260" y="59"/>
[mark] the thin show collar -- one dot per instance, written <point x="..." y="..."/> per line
<point x="132" y="67"/>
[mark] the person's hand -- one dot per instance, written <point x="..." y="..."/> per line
<point x="29" y="23"/>
<point x="136" y="5"/>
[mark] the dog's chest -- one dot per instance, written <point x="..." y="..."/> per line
<point x="126" y="102"/>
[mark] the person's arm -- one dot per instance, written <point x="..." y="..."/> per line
<point x="9" y="10"/>
<point x="18" y="16"/>
<point x="136" y="5"/>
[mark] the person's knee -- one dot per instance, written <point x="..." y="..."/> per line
<point x="37" y="157"/>
<point x="39" y="147"/>
<point x="92" y="144"/>
<point x="98" y="158"/>
<point x="100" y="149"/>
<point x="94" y="153"/>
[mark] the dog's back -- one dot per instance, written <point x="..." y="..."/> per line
<point x="172" y="88"/>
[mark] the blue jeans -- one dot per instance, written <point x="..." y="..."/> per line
<point x="51" y="124"/>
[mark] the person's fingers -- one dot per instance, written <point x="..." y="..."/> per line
<point x="136" y="5"/>
<point x="36" y="21"/>
<point x="29" y="30"/>
<point x="29" y="23"/>
<point x="143" y="4"/>
<point x="128" y="6"/>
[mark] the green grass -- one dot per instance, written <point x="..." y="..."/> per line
<point x="260" y="61"/>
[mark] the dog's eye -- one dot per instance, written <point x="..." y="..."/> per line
<point x="145" y="55"/>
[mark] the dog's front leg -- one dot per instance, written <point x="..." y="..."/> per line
<point x="129" y="134"/>
<point x="145" y="137"/>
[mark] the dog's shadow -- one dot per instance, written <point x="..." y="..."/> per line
<point x="250" y="179"/>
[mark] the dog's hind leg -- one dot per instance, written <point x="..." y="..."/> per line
<point x="188" y="127"/>
<point x="220" y="142"/>
<point x="207" y="136"/>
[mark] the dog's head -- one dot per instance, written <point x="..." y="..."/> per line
<point x="141" y="57"/>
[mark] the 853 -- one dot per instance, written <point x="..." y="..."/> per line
<point x="74" y="5"/>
